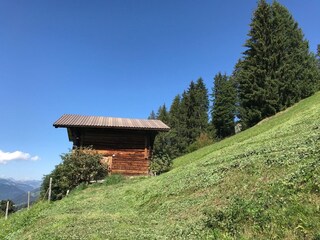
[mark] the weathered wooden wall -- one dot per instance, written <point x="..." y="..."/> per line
<point x="127" y="151"/>
<point x="128" y="162"/>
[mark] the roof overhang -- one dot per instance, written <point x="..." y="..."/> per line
<point x="79" y="121"/>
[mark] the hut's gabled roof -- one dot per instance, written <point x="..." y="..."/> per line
<point x="71" y="120"/>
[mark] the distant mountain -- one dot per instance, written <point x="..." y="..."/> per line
<point x="9" y="190"/>
<point x="17" y="190"/>
<point x="32" y="183"/>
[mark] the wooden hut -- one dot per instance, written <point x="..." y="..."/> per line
<point x="126" y="144"/>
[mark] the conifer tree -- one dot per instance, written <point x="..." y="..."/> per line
<point x="224" y="105"/>
<point x="182" y="130"/>
<point x="254" y="83"/>
<point x="187" y="118"/>
<point x="201" y="106"/>
<point x="187" y="110"/>
<point x="277" y="68"/>
<point x="195" y="106"/>
<point x="318" y="55"/>
<point x="174" y="142"/>
<point x="184" y="122"/>
<point x="177" y="123"/>
<point x="163" y="114"/>
<point x="152" y="116"/>
<point x="293" y="64"/>
<point x="161" y="144"/>
<point x="174" y="112"/>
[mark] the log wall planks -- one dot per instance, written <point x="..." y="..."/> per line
<point x="127" y="152"/>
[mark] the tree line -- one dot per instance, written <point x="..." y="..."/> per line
<point x="275" y="71"/>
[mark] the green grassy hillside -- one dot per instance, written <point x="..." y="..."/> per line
<point x="263" y="183"/>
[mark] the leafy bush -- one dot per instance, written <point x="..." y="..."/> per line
<point x="160" y="163"/>
<point x="80" y="165"/>
<point x="203" y="140"/>
<point x="3" y="206"/>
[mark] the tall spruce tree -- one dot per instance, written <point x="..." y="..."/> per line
<point x="184" y="123"/>
<point x="161" y="146"/>
<point x="257" y="91"/>
<point x="223" y="109"/>
<point x="187" y="111"/>
<point x="187" y="118"/>
<point x="173" y="143"/>
<point x="152" y="116"/>
<point x="201" y="106"/>
<point x="277" y="68"/>
<point x="163" y="114"/>
<point x="293" y="65"/>
<point x="177" y="123"/>
<point x="174" y="112"/>
<point x="195" y="106"/>
<point x="318" y="55"/>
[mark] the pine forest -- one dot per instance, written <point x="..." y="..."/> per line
<point x="275" y="71"/>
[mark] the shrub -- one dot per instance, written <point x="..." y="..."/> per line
<point x="160" y="163"/>
<point x="203" y="140"/>
<point x="3" y="206"/>
<point x="80" y="165"/>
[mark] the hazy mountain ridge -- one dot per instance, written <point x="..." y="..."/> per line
<point x="16" y="190"/>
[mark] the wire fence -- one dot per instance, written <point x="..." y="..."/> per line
<point x="46" y="195"/>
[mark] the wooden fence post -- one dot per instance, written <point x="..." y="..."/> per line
<point x="49" y="194"/>
<point x="7" y="210"/>
<point x="28" y="200"/>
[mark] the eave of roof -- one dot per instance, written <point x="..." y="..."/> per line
<point x="72" y="120"/>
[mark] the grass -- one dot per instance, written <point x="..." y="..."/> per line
<point x="263" y="183"/>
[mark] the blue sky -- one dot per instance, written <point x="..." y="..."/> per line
<point x="110" y="58"/>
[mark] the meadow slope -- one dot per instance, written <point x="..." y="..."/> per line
<point x="263" y="183"/>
